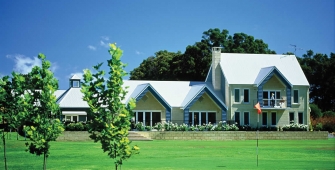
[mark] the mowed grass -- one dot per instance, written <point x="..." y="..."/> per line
<point x="160" y="154"/>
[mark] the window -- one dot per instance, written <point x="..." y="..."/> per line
<point x="291" y="117"/>
<point x="246" y="95"/>
<point x="268" y="100"/>
<point x="237" y="118"/>
<point x="237" y="95"/>
<point x="273" y="118"/>
<point x="200" y="118"/>
<point x="148" y="118"/>
<point x="73" y="118"/>
<point x="75" y="83"/>
<point x="264" y="118"/>
<point x="295" y="96"/>
<point x="300" y="118"/>
<point x="246" y="118"/>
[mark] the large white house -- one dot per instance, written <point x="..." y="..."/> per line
<point x="234" y="84"/>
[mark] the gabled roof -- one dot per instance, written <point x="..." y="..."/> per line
<point x="72" y="98"/>
<point x="245" y="68"/>
<point x="200" y="89"/>
<point x="175" y="93"/>
<point x="267" y="71"/>
<point x="142" y="89"/>
<point x="75" y="77"/>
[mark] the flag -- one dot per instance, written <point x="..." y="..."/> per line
<point x="258" y="107"/>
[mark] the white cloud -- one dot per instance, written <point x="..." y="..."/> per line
<point x="91" y="47"/>
<point x="105" y="38"/>
<point x="139" y="52"/>
<point x="104" y="44"/>
<point x="24" y="64"/>
<point x="54" y="67"/>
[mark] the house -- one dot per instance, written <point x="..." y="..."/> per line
<point x="234" y="84"/>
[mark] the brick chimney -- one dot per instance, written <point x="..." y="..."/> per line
<point x="216" y="75"/>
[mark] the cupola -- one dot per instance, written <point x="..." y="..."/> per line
<point x="75" y="81"/>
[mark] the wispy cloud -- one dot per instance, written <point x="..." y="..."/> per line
<point x="24" y="64"/>
<point x="139" y="52"/>
<point x="104" y="44"/>
<point x="105" y="38"/>
<point x="91" y="47"/>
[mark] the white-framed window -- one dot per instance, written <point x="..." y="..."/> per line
<point x="246" y="118"/>
<point x="273" y="118"/>
<point x="301" y="118"/>
<point x="246" y="96"/>
<point x="72" y="118"/>
<point x="148" y="117"/>
<point x="202" y="117"/>
<point x="75" y="83"/>
<point x="271" y="98"/>
<point x="237" y="118"/>
<point x="295" y="96"/>
<point x="236" y="95"/>
<point x="264" y="118"/>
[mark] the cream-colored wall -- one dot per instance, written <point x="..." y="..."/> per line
<point x="177" y="115"/>
<point x="282" y="114"/>
<point x="151" y="103"/>
<point x="207" y="104"/>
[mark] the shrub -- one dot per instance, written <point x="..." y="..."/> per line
<point x="139" y="126"/>
<point x="327" y="122"/>
<point x="295" y="127"/>
<point x="159" y="126"/>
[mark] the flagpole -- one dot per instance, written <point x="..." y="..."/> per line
<point x="259" y="111"/>
<point x="257" y="136"/>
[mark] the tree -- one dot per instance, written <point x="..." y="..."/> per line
<point x="111" y="118"/>
<point x="318" y="68"/>
<point x="155" y="67"/>
<point x="10" y="97"/>
<point x="39" y="104"/>
<point x="195" y="62"/>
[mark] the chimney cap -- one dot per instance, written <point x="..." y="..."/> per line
<point x="216" y="49"/>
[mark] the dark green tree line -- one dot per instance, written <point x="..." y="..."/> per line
<point x="194" y="63"/>
<point x="319" y="71"/>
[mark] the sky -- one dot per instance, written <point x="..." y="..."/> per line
<point x="74" y="35"/>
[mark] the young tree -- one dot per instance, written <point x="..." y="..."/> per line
<point x="111" y="118"/>
<point x="39" y="104"/>
<point x="10" y="98"/>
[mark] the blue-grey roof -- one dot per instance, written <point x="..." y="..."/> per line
<point x="249" y="68"/>
<point x="72" y="98"/>
<point x="175" y="93"/>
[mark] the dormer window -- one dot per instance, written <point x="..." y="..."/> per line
<point x="75" y="83"/>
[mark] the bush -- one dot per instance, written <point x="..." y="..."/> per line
<point x="295" y="127"/>
<point x="80" y="126"/>
<point x="327" y="122"/>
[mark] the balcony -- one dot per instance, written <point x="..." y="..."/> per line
<point x="279" y="104"/>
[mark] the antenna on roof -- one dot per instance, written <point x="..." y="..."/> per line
<point x="295" y="48"/>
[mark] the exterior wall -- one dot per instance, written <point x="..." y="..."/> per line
<point x="177" y="115"/>
<point x="150" y="103"/>
<point x="207" y="104"/>
<point x="282" y="114"/>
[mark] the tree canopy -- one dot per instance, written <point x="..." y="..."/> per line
<point x="318" y="69"/>
<point x="194" y="63"/>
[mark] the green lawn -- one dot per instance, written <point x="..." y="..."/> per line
<point x="159" y="154"/>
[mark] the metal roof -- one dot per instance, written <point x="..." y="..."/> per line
<point x="175" y="93"/>
<point x="72" y="98"/>
<point x="245" y="68"/>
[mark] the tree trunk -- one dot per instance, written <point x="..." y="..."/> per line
<point x="4" y="148"/>
<point x="45" y="162"/>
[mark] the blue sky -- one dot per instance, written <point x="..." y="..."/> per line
<point x="74" y="34"/>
